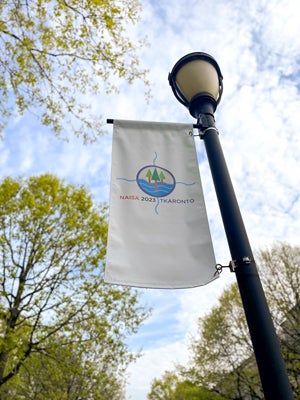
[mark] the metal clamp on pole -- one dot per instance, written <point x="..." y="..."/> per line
<point x="219" y="267"/>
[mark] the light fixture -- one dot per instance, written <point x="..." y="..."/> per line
<point x="197" y="78"/>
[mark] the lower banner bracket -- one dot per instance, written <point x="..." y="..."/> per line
<point x="219" y="267"/>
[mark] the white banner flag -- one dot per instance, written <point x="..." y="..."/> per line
<point x="158" y="235"/>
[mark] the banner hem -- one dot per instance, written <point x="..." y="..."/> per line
<point x="159" y="286"/>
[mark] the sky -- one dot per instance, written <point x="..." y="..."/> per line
<point x="257" y="46"/>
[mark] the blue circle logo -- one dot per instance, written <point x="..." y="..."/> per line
<point x="155" y="181"/>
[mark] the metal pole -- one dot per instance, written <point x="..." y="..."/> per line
<point x="271" y="366"/>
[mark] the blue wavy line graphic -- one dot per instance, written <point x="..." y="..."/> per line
<point x="155" y="158"/>
<point x="186" y="184"/>
<point x="156" y="207"/>
<point x="127" y="180"/>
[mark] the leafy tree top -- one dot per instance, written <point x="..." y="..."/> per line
<point x="52" y="247"/>
<point x="222" y="360"/>
<point x="53" y="52"/>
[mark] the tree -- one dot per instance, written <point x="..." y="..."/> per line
<point x="222" y="352"/>
<point x="56" y="315"/>
<point x="280" y="276"/>
<point x="53" y="52"/>
<point x="149" y="175"/>
<point x="155" y="178"/>
<point x="66" y="371"/>
<point x="280" y="267"/>
<point x="163" y="389"/>
<point x="162" y="177"/>
<point x="186" y="390"/>
<point x="172" y="387"/>
<point x="220" y="347"/>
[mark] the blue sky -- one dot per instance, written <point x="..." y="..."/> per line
<point x="257" y="45"/>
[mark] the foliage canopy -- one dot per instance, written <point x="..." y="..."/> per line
<point x="170" y="387"/>
<point x="55" y="52"/>
<point x="57" y="318"/>
<point x="222" y="353"/>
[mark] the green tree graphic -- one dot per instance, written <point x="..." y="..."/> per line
<point x="162" y="177"/>
<point x="149" y="175"/>
<point x="155" y="178"/>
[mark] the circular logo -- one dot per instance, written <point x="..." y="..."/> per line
<point x="155" y="181"/>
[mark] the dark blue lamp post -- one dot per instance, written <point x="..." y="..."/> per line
<point x="196" y="81"/>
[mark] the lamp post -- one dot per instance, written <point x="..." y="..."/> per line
<point x="196" y="81"/>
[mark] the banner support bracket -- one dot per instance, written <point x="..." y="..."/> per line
<point x="219" y="267"/>
<point x="195" y="126"/>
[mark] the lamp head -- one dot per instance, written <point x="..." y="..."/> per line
<point x="196" y="80"/>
